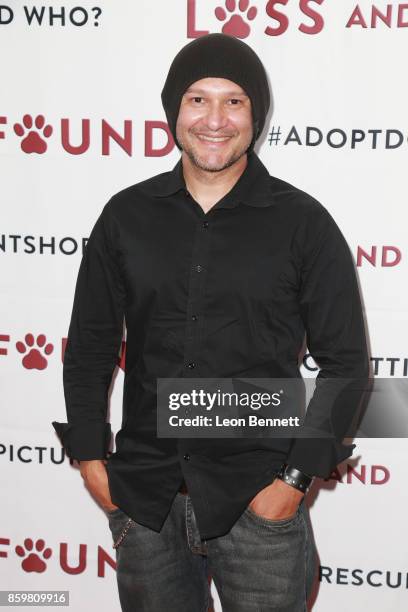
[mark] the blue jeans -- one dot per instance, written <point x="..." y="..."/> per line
<point x="260" y="565"/>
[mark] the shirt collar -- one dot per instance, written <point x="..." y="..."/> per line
<point x="252" y="188"/>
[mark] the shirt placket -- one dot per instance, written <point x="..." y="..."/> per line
<point x="195" y="325"/>
<point x="197" y="282"/>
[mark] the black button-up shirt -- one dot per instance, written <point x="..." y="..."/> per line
<point x="230" y="292"/>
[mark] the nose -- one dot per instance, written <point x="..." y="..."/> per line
<point x="216" y="117"/>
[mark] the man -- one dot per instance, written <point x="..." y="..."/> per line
<point x="218" y="269"/>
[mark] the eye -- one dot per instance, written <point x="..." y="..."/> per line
<point x="234" y="101"/>
<point x="197" y="99"/>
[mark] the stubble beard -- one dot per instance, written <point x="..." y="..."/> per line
<point x="202" y="164"/>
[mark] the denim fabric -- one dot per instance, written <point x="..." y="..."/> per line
<point x="260" y="565"/>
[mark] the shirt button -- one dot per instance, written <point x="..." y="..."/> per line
<point x="191" y="365"/>
<point x="194" y="317"/>
<point x="205" y="224"/>
<point x="199" y="268"/>
<point x="186" y="457"/>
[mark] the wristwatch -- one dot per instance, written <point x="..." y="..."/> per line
<point x="295" y="478"/>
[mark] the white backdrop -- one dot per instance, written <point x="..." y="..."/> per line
<point x="337" y="72"/>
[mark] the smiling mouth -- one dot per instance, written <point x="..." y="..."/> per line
<point x="212" y="139"/>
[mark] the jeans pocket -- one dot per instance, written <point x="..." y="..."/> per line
<point x="115" y="512"/>
<point x="120" y="524"/>
<point x="263" y="520"/>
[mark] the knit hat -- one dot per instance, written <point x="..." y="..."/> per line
<point x="222" y="56"/>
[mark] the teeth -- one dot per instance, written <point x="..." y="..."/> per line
<point x="214" y="139"/>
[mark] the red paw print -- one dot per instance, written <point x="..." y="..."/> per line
<point x="33" y="142"/>
<point x="33" y="562"/>
<point x="236" y="26"/>
<point x="35" y="360"/>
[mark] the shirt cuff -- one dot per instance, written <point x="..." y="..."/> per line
<point x="86" y="441"/>
<point x="318" y="456"/>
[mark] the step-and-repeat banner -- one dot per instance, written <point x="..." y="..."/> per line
<point x="80" y="119"/>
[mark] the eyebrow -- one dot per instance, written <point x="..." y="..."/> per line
<point x="227" y="93"/>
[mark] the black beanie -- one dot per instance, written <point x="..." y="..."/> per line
<point x="222" y="56"/>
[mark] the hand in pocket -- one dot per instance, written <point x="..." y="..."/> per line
<point x="277" y="501"/>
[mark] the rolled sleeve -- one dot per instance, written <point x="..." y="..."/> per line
<point x="332" y="313"/>
<point x="84" y="442"/>
<point x="93" y="344"/>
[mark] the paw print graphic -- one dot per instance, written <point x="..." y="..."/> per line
<point x="236" y="24"/>
<point x="33" y="561"/>
<point x="33" y="141"/>
<point x="34" y="359"/>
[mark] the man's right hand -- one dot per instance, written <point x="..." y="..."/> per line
<point x="96" y="481"/>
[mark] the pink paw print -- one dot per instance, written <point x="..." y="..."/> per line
<point x="236" y="26"/>
<point x="34" y="359"/>
<point x="33" y="561"/>
<point x="33" y="142"/>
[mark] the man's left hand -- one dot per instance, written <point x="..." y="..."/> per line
<point x="276" y="501"/>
